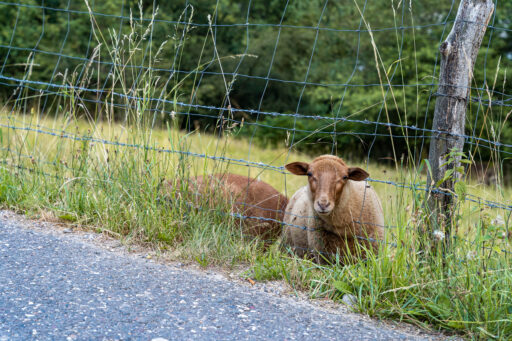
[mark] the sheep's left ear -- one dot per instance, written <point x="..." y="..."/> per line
<point x="357" y="174"/>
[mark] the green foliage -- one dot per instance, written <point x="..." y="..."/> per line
<point x="454" y="169"/>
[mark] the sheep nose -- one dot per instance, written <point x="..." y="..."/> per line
<point x="324" y="205"/>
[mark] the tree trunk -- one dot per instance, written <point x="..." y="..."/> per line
<point x="458" y="55"/>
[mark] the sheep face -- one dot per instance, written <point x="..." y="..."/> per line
<point x="327" y="175"/>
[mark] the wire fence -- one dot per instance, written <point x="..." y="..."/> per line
<point x="317" y="78"/>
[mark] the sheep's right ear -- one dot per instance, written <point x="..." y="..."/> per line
<point x="298" y="168"/>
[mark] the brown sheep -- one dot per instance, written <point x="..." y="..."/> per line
<point x="334" y="209"/>
<point x="261" y="204"/>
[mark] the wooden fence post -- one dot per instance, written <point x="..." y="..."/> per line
<point x="458" y="55"/>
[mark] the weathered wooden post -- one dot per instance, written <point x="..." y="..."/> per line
<point x="458" y="55"/>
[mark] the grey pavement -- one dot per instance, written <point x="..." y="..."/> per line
<point x="56" y="287"/>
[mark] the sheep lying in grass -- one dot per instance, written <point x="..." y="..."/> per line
<point x="334" y="210"/>
<point x="260" y="203"/>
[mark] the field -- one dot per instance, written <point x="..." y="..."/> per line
<point x="108" y="176"/>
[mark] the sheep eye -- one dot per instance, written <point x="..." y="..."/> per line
<point x="309" y="174"/>
<point x="345" y="177"/>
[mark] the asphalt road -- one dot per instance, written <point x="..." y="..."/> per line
<point x="55" y="286"/>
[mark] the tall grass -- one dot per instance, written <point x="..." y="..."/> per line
<point x="83" y="167"/>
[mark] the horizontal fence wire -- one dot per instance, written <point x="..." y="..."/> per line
<point x="232" y="74"/>
<point x="216" y="211"/>
<point x="242" y="216"/>
<point x="471" y="140"/>
<point x="49" y="8"/>
<point x="241" y="162"/>
<point x="83" y="91"/>
<point x="215" y="25"/>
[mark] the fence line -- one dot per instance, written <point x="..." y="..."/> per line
<point x="128" y="100"/>
<point x="257" y="112"/>
<point x="232" y="74"/>
<point x="137" y="19"/>
<point x="246" y="24"/>
<point x="242" y="216"/>
<point x="242" y="162"/>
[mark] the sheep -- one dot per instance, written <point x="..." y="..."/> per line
<point x="261" y="205"/>
<point x="335" y="212"/>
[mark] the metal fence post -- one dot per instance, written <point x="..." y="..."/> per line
<point x="458" y="55"/>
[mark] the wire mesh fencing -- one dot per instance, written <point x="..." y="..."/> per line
<point x="286" y="80"/>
